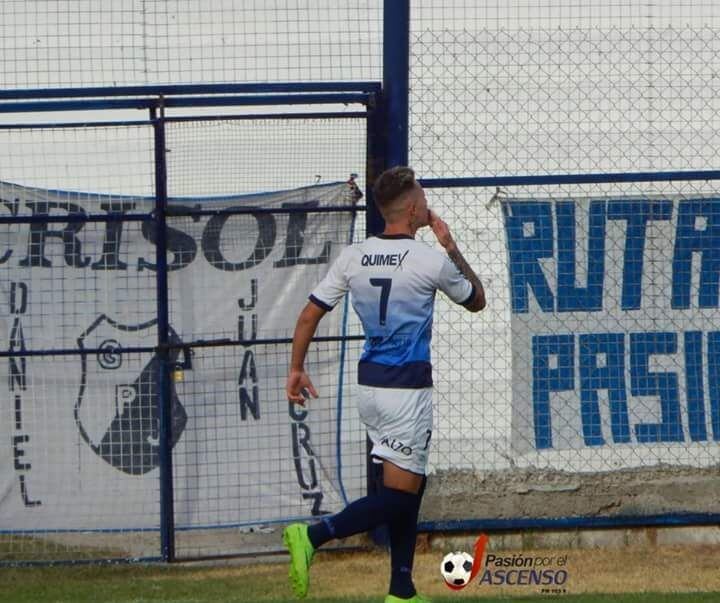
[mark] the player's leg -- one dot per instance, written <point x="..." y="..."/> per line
<point x="410" y="477"/>
<point x="401" y="479"/>
<point x="359" y="516"/>
<point x="403" y="537"/>
<point x="363" y="514"/>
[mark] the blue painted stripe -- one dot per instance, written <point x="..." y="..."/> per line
<point x="666" y="519"/>
<point x="605" y="178"/>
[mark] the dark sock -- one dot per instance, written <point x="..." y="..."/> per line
<point x="320" y="533"/>
<point x="379" y="534"/>
<point x="362" y="515"/>
<point x="403" y="535"/>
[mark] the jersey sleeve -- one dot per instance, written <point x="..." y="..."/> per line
<point x="334" y="286"/>
<point x="454" y="284"/>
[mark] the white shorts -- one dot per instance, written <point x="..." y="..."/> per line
<point x="399" y="423"/>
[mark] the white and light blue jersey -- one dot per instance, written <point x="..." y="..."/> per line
<point x="392" y="280"/>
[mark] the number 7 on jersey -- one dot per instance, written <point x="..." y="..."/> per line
<point x="385" y="284"/>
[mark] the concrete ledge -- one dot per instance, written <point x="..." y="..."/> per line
<point x="576" y="539"/>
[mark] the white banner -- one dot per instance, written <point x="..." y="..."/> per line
<point x="615" y="326"/>
<point x="79" y="432"/>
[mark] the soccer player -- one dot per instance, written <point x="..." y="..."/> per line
<point x="392" y="279"/>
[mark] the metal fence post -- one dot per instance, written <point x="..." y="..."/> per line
<point x="167" y="514"/>
<point x="396" y="79"/>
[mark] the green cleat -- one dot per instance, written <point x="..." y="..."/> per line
<point x="416" y="599"/>
<point x="301" y="555"/>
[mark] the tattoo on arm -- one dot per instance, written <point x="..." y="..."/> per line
<point x="462" y="265"/>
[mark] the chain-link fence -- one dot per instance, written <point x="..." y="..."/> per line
<point x="83" y="357"/>
<point x="547" y="410"/>
<point x="52" y="44"/>
<point x="515" y="444"/>
<point x="517" y="90"/>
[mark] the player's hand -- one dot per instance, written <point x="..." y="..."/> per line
<point x="297" y="387"/>
<point x="441" y="230"/>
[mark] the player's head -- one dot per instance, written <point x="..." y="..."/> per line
<point x="400" y="199"/>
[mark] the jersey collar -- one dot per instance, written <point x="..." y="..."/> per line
<point x="394" y="236"/>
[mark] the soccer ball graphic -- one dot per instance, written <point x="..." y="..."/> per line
<point x="456" y="567"/>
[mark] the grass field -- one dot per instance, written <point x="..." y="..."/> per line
<point x="653" y="575"/>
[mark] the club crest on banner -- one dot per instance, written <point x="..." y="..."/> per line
<point x="116" y="410"/>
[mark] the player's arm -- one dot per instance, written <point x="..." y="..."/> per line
<point x="445" y="238"/>
<point x="477" y="303"/>
<point x="323" y="299"/>
<point x="298" y="381"/>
